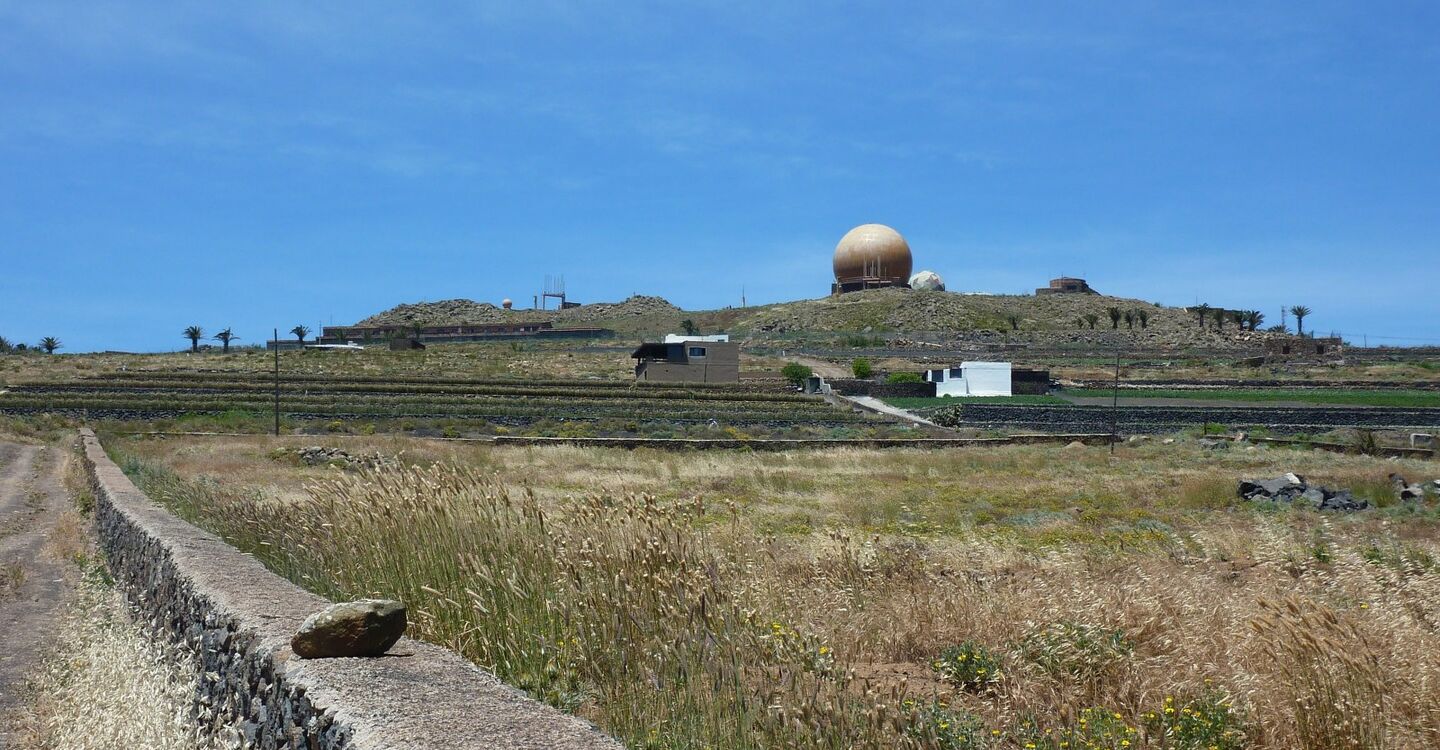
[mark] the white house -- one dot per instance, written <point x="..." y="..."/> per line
<point x="714" y="338"/>
<point x="972" y="379"/>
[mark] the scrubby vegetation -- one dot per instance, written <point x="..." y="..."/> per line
<point x="1354" y="397"/>
<point x="853" y="598"/>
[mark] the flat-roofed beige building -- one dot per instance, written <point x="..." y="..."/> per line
<point x="688" y="359"/>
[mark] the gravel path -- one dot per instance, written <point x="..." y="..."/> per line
<point x="34" y="586"/>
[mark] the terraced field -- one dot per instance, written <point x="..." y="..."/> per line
<point x="143" y="396"/>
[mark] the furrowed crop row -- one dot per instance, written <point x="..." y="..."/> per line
<point x="500" y="409"/>
<point x="264" y="377"/>
<point x="571" y="391"/>
<point x="663" y="402"/>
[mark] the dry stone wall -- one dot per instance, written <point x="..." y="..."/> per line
<point x="236" y="618"/>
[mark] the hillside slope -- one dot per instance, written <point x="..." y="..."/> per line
<point x="1051" y="319"/>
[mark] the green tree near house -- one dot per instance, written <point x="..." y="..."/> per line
<point x="1300" y="312"/>
<point x="796" y="373"/>
<point x="689" y="327"/>
<point x="861" y="368"/>
<point x="300" y="332"/>
<point x="50" y="344"/>
<point x="225" y="337"/>
<point x="194" y="333"/>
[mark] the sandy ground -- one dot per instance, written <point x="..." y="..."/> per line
<point x="884" y="408"/>
<point x="34" y="584"/>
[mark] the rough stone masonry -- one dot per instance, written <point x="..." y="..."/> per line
<point x="237" y="619"/>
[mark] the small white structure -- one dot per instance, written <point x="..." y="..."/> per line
<point x="972" y="379"/>
<point x="714" y="338"/>
<point x="816" y="385"/>
<point x="927" y="281"/>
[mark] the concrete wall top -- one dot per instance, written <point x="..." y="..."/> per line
<point x="418" y="696"/>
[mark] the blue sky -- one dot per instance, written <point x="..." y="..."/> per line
<point x="265" y="164"/>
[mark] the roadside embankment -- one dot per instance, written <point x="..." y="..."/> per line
<point x="237" y="618"/>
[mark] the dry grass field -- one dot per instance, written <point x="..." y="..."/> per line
<point x="1016" y="597"/>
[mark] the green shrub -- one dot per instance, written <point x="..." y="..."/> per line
<point x="1208" y="722"/>
<point x="861" y="367"/>
<point x="795" y="373"/>
<point x="904" y="377"/>
<point x="1095" y="728"/>
<point x="935" y="725"/>
<point x="968" y="666"/>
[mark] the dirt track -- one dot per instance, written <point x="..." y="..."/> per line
<point x="33" y="582"/>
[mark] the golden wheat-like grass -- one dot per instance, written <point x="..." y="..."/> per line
<point x="109" y="685"/>
<point x="798" y="600"/>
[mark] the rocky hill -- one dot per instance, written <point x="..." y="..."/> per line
<point x="1052" y="319"/>
<point x="621" y="315"/>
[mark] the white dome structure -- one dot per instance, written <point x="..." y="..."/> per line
<point x="507" y="304"/>
<point x="927" y="281"/>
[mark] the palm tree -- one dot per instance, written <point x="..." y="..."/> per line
<point x="1203" y="311"/>
<point x="300" y="332"/>
<point x="50" y="344"/>
<point x="194" y="333"/>
<point x="1254" y="318"/>
<point x="1130" y="319"/>
<point x="689" y="327"/>
<point x="4" y="345"/>
<point x="1079" y="322"/>
<point x="1114" y="313"/>
<point x="1299" y="311"/>
<point x="225" y="337"/>
<point x="1014" y="321"/>
<point x="1143" y="316"/>
<point x="1092" y="319"/>
<point x="1239" y="317"/>
<point x="1220" y="317"/>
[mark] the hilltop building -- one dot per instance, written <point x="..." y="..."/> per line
<point x="871" y="256"/>
<point x="689" y="359"/>
<point x="1066" y="285"/>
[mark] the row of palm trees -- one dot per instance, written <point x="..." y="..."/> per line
<point x="1131" y="317"/>
<point x="1246" y="319"/>
<point x="196" y="333"/>
<point x="49" y="344"/>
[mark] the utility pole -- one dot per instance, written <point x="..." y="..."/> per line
<point x="277" y="382"/>
<point x="1115" y="405"/>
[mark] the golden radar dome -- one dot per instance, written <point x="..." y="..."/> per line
<point x="871" y="256"/>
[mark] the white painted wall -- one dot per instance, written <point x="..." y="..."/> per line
<point x="974" y="379"/>
<point x="675" y="338"/>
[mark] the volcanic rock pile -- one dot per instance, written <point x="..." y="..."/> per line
<point x="319" y="455"/>
<point x="1292" y="488"/>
